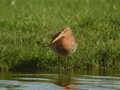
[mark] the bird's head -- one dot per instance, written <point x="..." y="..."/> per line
<point x="66" y="31"/>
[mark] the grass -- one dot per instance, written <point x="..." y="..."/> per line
<point x="95" y="24"/>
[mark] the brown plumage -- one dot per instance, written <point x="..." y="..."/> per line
<point x="64" y="43"/>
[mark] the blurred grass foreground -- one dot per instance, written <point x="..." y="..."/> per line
<point x="24" y="23"/>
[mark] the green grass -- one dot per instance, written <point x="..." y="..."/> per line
<point x="95" y="24"/>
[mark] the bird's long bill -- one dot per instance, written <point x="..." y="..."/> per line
<point x="58" y="37"/>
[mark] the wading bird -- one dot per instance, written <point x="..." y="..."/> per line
<point x="63" y="43"/>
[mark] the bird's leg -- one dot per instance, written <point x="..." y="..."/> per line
<point x="67" y="64"/>
<point x="68" y="69"/>
<point x="65" y="67"/>
<point x="71" y="65"/>
<point x="59" y="76"/>
<point x="59" y="64"/>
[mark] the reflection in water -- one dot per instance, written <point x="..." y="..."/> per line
<point x="69" y="87"/>
<point x="64" y="78"/>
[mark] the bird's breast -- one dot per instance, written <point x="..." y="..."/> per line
<point x="64" y="46"/>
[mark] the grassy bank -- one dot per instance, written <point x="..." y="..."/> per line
<point x="24" y="24"/>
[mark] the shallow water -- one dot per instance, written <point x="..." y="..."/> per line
<point x="58" y="82"/>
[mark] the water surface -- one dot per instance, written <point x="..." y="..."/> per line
<point x="58" y="82"/>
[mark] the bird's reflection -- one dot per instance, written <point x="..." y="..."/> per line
<point x="64" y="78"/>
<point x="69" y="87"/>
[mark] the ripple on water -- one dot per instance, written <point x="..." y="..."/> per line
<point x="20" y="85"/>
<point x="44" y="82"/>
<point x="98" y="82"/>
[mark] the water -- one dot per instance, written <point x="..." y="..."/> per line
<point x="58" y="82"/>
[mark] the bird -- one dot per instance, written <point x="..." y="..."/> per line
<point x="63" y="43"/>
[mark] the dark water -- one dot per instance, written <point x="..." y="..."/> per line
<point x="58" y="82"/>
